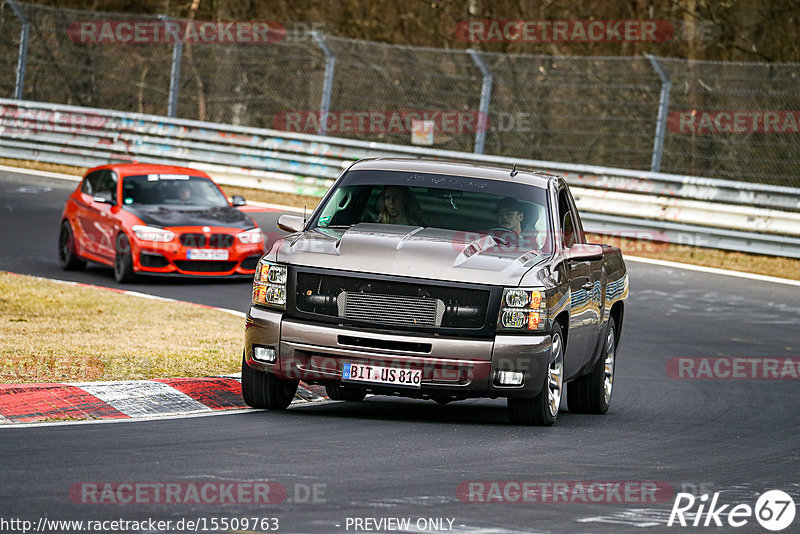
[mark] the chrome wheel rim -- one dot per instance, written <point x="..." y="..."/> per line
<point x="608" y="367"/>
<point x="555" y="378"/>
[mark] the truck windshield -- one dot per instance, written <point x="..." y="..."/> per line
<point x="514" y="213"/>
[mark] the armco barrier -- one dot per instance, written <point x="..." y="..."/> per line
<point x="708" y="212"/>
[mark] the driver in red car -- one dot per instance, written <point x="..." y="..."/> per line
<point x="185" y="194"/>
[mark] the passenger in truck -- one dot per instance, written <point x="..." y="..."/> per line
<point x="398" y="206"/>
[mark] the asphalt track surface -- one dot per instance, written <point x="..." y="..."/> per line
<point x="403" y="458"/>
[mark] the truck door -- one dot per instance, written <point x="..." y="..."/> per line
<point x="584" y="318"/>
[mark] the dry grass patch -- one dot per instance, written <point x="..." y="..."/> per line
<point x="42" y="166"/>
<point x="51" y="332"/>
<point x="272" y="197"/>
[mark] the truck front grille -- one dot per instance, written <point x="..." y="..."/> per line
<point x="390" y="309"/>
<point x="391" y="303"/>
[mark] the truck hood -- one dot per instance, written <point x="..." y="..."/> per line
<point x="409" y="251"/>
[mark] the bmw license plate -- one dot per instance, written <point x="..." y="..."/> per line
<point x="206" y="254"/>
<point x="377" y="374"/>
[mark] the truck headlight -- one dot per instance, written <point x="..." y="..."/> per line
<point x="251" y="237"/>
<point x="522" y="310"/>
<point x="269" y="285"/>
<point x="149" y="233"/>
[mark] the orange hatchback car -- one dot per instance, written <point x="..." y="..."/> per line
<point x="157" y="219"/>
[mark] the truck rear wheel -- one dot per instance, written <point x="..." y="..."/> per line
<point x="264" y="390"/>
<point x="542" y="410"/>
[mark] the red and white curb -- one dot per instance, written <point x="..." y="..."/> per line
<point x="25" y="403"/>
<point x="129" y="399"/>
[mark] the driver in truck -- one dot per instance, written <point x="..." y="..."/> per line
<point x="510" y="214"/>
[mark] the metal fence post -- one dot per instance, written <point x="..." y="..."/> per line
<point x="22" y="55"/>
<point x="327" y="82"/>
<point x="486" y="96"/>
<point x="663" y="108"/>
<point x="174" y="75"/>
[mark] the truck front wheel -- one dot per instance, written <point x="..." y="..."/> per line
<point x="265" y="390"/>
<point x="542" y="410"/>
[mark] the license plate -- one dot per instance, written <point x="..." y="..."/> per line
<point x="207" y="254"/>
<point x="377" y="374"/>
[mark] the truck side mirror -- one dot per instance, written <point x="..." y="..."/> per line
<point x="291" y="223"/>
<point x="583" y="252"/>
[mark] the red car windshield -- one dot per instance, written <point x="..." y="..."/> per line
<point x="171" y="189"/>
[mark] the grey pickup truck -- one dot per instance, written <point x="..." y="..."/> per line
<point x="443" y="281"/>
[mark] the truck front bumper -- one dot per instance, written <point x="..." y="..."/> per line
<point x="451" y="366"/>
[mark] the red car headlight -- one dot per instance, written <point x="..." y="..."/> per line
<point x="149" y="233"/>
<point x="251" y="237"/>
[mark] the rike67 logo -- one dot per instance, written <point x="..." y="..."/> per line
<point x="774" y="510"/>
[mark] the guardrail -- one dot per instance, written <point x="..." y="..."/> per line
<point x="707" y="212"/>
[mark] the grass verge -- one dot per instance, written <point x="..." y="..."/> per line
<point x="707" y="257"/>
<point x="52" y="332"/>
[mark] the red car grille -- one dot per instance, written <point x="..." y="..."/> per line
<point x="201" y="241"/>
<point x="200" y="266"/>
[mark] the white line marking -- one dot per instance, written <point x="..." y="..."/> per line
<point x="236" y="313"/>
<point x="281" y="207"/>
<point x="715" y="270"/>
<point x="642" y="517"/>
<point x="46" y="174"/>
<point x="138" y="398"/>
